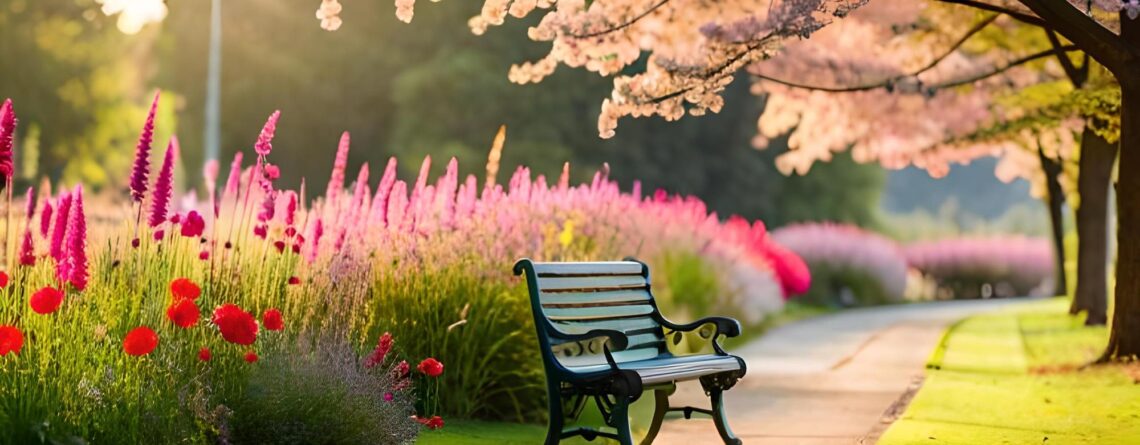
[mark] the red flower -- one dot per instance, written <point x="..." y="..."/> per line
<point x="204" y="255"/>
<point x="184" y="288"/>
<point x="204" y="354"/>
<point x="383" y="346"/>
<point x="236" y="325"/>
<point x="401" y="370"/>
<point x="183" y="312"/>
<point x="433" y="423"/>
<point x="294" y="281"/>
<point x="11" y="340"/>
<point x="250" y="357"/>
<point x="4" y="278"/>
<point x="140" y="341"/>
<point x="159" y="234"/>
<point x="271" y="319"/>
<point x="431" y="367"/>
<point x="279" y="245"/>
<point x="46" y="300"/>
<point x="193" y="225"/>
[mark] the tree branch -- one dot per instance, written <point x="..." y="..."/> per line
<point x="622" y="25"/>
<point x="1097" y="41"/>
<point x="1020" y="16"/>
<point x="1077" y="76"/>
<point x="1021" y="61"/>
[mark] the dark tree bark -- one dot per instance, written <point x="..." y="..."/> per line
<point x="1056" y="202"/>
<point x="1093" y="181"/>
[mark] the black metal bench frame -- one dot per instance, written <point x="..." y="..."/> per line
<point x="614" y="389"/>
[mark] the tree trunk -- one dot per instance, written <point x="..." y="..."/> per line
<point x="1124" y="341"/>
<point x="1056" y="200"/>
<point x="1095" y="177"/>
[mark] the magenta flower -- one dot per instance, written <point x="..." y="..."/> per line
<point x="7" y="132"/>
<point x="265" y="140"/>
<point x="397" y="205"/>
<point x="45" y="219"/>
<point x="193" y="225"/>
<point x="290" y="208"/>
<point x="318" y="231"/>
<point x="163" y="188"/>
<point x="30" y="205"/>
<point x="73" y="267"/>
<point x="141" y="169"/>
<point x="336" y="180"/>
<point x="445" y="193"/>
<point x="60" y="227"/>
<point x="27" y="249"/>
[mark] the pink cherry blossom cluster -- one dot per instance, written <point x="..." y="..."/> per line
<point x="841" y="247"/>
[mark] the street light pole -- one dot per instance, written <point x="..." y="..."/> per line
<point x="212" y="140"/>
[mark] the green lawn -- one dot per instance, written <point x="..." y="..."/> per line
<point x="1015" y="378"/>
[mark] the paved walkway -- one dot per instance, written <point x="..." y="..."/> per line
<point x="828" y="380"/>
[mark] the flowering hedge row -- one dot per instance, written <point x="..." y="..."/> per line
<point x="198" y="321"/>
<point x="986" y="266"/>
<point x="849" y="265"/>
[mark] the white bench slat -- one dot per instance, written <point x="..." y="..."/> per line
<point x="585" y="298"/>
<point x="601" y="283"/>
<point x="596" y="313"/>
<point x="588" y="268"/>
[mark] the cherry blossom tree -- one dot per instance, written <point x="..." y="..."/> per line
<point x="670" y="58"/>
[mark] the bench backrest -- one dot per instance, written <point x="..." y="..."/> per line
<point x="576" y="298"/>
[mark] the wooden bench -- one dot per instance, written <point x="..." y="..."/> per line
<point x="602" y="337"/>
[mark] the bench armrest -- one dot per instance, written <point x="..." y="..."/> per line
<point x="617" y="339"/>
<point x="724" y="326"/>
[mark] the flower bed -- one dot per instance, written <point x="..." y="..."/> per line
<point x="985" y="266"/>
<point x="261" y="314"/>
<point x="848" y="265"/>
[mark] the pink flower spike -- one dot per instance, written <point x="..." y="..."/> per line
<point x="265" y="140"/>
<point x="27" y="249"/>
<point x="234" y="179"/>
<point x="141" y="168"/>
<point x="8" y="123"/>
<point x="336" y="179"/>
<point x="163" y="189"/>
<point x="77" y="242"/>
<point x="45" y="219"/>
<point x="379" y="211"/>
<point x="60" y="227"/>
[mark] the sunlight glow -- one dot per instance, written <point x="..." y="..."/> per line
<point x="134" y="14"/>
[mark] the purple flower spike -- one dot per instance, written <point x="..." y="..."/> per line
<point x="45" y="219"/>
<point x="141" y="169"/>
<point x="163" y="189"/>
<point x="7" y="131"/>
<point x="336" y="180"/>
<point x="77" y="242"/>
<point x="60" y="227"/>
<point x="265" y="139"/>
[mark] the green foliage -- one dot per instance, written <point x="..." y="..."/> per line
<point x="843" y="286"/>
<point x="686" y="285"/>
<point x="322" y="395"/>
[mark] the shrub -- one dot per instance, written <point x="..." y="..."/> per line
<point x="986" y="266"/>
<point x="848" y="265"/>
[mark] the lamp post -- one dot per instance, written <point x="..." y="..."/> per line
<point x="212" y="138"/>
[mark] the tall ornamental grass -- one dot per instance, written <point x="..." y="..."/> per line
<point x="379" y="305"/>
<point x="996" y="266"/>
<point x="849" y="265"/>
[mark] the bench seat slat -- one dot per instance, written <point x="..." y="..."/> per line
<point x="653" y="370"/>
<point x="591" y="284"/>
<point x="597" y="312"/>
<point x="587" y="269"/>
<point x="600" y="298"/>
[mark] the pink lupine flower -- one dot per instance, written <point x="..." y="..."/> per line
<point x="336" y="180"/>
<point x="564" y="178"/>
<point x="379" y="211"/>
<point x="163" y="188"/>
<point x="29" y="205"/>
<point x="290" y="208"/>
<point x="75" y="261"/>
<point x="417" y="202"/>
<point x="8" y="123"/>
<point x="318" y="231"/>
<point x="397" y="205"/>
<point x="465" y="201"/>
<point x="210" y="176"/>
<point x="234" y="179"/>
<point x="359" y="191"/>
<point x="265" y="140"/>
<point x="272" y="172"/>
<point x="45" y="219"/>
<point x="141" y="168"/>
<point x="445" y="193"/>
<point x="27" y="249"/>
<point x="60" y="227"/>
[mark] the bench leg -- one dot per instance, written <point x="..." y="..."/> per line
<point x="720" y="418"/>
<point x="661" y="397"/>
<point x="619" y="419"/>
